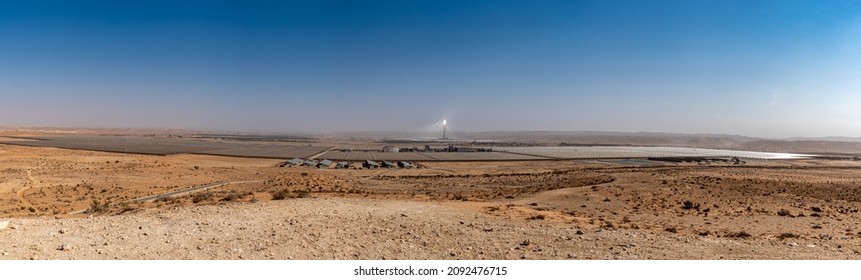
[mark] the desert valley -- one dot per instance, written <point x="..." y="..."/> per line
<point x="59" y="203"/>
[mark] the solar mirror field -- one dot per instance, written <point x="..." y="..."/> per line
<point x="258" y="149"/>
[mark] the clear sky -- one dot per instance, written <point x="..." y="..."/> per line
<point x="779" y="68"/>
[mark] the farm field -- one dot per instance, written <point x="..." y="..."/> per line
<point x="268" y="151"/>
<point x="169" y="146"/>
<point x="121" y="144"/>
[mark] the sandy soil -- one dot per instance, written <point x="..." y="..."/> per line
<point x="343" y="228"/>
<point x="801" y="209"/>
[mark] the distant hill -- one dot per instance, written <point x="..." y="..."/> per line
<point x="832" y="138"/>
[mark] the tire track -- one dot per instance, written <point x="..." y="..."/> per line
<point x="20" y="193"/>
<point x="176" y="193"/>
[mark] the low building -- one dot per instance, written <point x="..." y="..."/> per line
<point x="325" y="163"/>
<point x="463" y="149"/>
<point x="405" y="164"/>
<point x="390" y="149"/>
<point x="370" y="164"/>
<point x="292" y="162"/>
<point x="310" y="163"/>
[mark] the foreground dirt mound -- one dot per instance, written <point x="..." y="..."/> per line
<point x="343" y="228"/>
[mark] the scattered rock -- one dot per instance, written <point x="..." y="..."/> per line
<point x="62" y="231"/>
<point x="526" y="242"/>
<point x="4" y="224"/>
<point x="64" y="248"/>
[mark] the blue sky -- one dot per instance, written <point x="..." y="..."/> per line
<point x="756" y="68"/>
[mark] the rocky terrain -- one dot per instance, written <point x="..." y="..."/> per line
<point x="584" y="209"/>
<point x="341" y="228"/>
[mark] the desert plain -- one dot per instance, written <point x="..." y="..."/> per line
<point x="78" y="204"/>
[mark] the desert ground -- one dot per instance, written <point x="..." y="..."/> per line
<point x="73" y="204"/>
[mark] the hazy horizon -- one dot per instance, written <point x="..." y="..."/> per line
<point x="771" y="69"/>
<point x="415" y="133"/>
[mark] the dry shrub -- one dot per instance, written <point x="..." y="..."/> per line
<point x="285" y="193"/>
<point x="302" y="193"/>
<point x="201" y="197"/>
<point x="740" y="234"/>
<point x="97" y="206"/>
<point x="233" y="197"/>
<point x="786" y="235"/>
<point x="688" y="205"/>
<point x="280" y="195"/>
<point x="537" y="217"/>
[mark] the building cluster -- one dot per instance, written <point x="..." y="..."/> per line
<point x="370" y="164"/>
<point x="429" y="149"/>
<point x="325" y="164"/>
